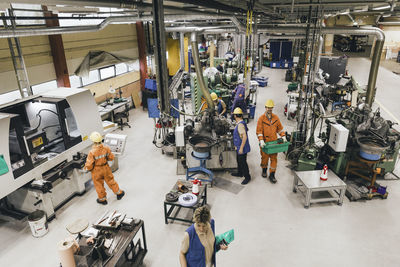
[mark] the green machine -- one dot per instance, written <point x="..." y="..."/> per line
<point x="307" y="160"/>
<point x="362" y="123"/>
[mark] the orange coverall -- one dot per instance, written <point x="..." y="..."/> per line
<point x="97" y="163"/>
<point x="267" y="130"/>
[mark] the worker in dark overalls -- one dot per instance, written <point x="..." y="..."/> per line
<point x="220" y="105"/>
<point x="241" y="142"/>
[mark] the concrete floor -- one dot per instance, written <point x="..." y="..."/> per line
<point x="272" y="228"/>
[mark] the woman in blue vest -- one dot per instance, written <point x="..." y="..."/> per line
<point x="241" y="142"/>
<point x="198" y="246"/>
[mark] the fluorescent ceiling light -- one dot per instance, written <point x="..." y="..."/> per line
<point x="381" y="7"/>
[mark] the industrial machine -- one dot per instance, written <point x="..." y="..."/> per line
<point x="218" y="133"/>
<point x="360" y="133"/>
<point x="43" y="137"/>
<point x="116" y="143"/>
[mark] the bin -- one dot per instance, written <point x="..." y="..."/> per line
<point x="38" y="223"/>
<point x="150" y="84"/>
<point x="274" y="147"/>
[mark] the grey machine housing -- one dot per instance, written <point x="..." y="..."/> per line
<point x="42" y="140"/>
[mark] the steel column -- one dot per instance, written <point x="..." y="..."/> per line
<point x="160" y="55"/>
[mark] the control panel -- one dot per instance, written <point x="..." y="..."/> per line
<point x="116" y="142"/>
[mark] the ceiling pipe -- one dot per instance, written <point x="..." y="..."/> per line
<point x="199" y="72"/>
<point x="207" y="29"/>
<point x="389" y="23"/>
<point x="325" y="4"/>
<point x="12" y="33"/>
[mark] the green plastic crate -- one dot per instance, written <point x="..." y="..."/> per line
<point x="3" y="165"/>
<point x="273" y="147"/>
<point x="292" y="86"/>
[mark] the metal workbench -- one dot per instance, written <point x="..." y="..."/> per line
<point x="170" y="206"/>
<point x="308" y="182"/>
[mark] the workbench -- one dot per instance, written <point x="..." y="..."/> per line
<point x="308" y="182"/>
<point x="127" y="242"/>
<point x="109" y="110"/>
<point x="170" y="206"/>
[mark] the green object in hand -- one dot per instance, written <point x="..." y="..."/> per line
<point x="228" y="236"/>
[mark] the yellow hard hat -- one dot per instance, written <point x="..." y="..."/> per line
<point x="96" y="137"/>
<point x="214" y="96"/>
<point x="269" y="103"/>
<point x="237" y="111"/>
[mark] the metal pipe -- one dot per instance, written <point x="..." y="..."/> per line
<point x="373" y="72"/>
<point x="318" y="60"/>
<point x="182" y="50"/>
<point x="197" y="29"/>
<point x="199" y="72"/>
<point x="333" y="3"/>
<point x="111" y="20"/>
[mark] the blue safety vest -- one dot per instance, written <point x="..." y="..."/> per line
<point x="196" y="255"/>
<point x="237" y="141"/>
<point x="220" y="108"/>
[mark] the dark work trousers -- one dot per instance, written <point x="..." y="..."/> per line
<point x="243" y="168"/>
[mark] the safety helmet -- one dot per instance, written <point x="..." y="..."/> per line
<point x="237" y="111"/>
<point x="269" y="103"/>
<point x="96" y="137"/>
<point x="214" y="96"/>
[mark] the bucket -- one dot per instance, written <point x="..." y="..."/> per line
<point x="38" y="222"/>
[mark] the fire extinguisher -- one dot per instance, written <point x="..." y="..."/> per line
<point x="195" y="188"/>
<point x="324" y="173"/>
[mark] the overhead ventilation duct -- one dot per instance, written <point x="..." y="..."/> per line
<point x="199" y="71"/>
<point x="114" y="20"/>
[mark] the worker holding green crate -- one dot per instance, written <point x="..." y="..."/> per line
<point x="268" y="127"/>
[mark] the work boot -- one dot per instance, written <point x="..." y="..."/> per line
<point x="121" y="195"/>
<point x="272" y="177"/>
<point x="245" y="181"/>
<point x="102" y="202"/>
<point x="236" y="174"/>
<point x="264" y="172"/>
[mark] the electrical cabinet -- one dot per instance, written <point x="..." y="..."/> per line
<point x="338" y="137"/>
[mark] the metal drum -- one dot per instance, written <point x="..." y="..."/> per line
<point x="201" y="144"/>
<point x="371" y="148"/>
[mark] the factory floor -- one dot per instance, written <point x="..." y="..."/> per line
<point x="272" y="227"/>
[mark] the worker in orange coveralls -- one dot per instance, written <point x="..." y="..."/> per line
<point x="97" y="163"/>
<point x="268" y="126"/>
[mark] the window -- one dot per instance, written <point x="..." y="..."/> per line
<point x="9" y="97"/>
<point x="107" y="72"/>
<point x="135" y="66"/>
<point x="121" y="68"/>
<point x="28" y="10"/>
<point x="93" y="77"/>
<point x="44" y="87"/>
<point x="75" y="81"/>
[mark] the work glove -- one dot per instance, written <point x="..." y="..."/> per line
<point x="284" y="138"/>
<point x="262" y="143"/>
